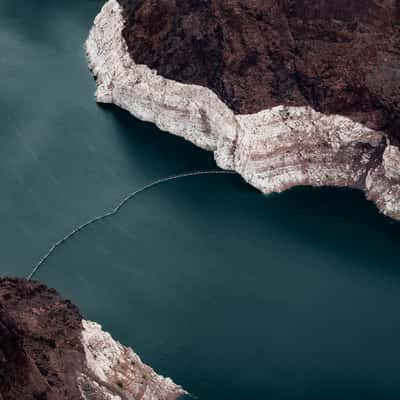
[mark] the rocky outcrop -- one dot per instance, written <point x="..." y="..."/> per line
<point x="337" y="56"/>
<point x="182" y="72"/>
<point x="41" y="348"/>
<point x="115" y="370"/>
<point x="48" y="352"/>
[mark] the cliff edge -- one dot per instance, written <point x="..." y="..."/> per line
<point x="286" y="93"/>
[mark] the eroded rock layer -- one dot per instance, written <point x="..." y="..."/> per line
<point x="47" y="352"/>
<point x="274" y="149"/>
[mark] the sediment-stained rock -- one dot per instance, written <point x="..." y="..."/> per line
<point x="287" y="143"/>
<point x="48" y="352"/>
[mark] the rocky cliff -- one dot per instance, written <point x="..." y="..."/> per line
<point x="285" y="92"/>
<point x="47" y="352"/>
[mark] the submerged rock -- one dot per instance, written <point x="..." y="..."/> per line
<point x="284" y="92"/>
<point x="48" y="352"/>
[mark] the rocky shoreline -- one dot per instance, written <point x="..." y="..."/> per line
<point x="273" y="149"/>
<point x="47" y="351"/>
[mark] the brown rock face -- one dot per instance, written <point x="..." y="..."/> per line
<point x="40" y="346"/>
<point x="44" y="345"/>
<point x="339" y="56"/>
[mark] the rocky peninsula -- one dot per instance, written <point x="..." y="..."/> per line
<point x="48" y="352"/>
<point x="286" y="93"/>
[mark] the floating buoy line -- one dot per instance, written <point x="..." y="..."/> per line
<point x="115" y="210"/>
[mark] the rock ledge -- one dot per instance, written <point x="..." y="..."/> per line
<point x="274" y="149"/>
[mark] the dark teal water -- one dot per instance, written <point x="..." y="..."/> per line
<point x="232" y="294"/>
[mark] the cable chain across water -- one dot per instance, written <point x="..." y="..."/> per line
<point x="116" y="209"/>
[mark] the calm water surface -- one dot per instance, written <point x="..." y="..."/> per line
<point x="233" y="294"/>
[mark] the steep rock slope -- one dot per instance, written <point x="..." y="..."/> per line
<point x="47" y="352"/>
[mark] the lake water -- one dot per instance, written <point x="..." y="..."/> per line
<point x="233" y="294"/>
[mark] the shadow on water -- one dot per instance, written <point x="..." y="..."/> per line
<point x="63" y="159"/>
<point x="325" y="216"/>
<point x="234" y="293"/>
<point x="160" y="146"/>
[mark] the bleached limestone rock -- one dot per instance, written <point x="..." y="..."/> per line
<point x="117" y="373"/>
<point x="273" y="150"/>
<point x="391" y="162"/>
